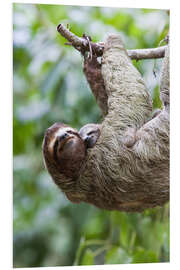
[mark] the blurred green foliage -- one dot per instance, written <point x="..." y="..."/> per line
<point x="49" y="86"/>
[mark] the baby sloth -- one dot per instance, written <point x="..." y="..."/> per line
<point x="90" y="134"/>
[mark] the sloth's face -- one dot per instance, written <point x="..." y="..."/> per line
<point x="64" y="147"/>
<point x="65" y="141"/>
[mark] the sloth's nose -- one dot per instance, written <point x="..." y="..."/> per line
<point x="87" y="142"/>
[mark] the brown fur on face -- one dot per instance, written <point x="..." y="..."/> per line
<point x="64" y="150"/>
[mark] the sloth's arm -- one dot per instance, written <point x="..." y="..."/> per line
<point x="129" y="103"/>
<point x="117" y="78"/>
<point x="92" y="71"/>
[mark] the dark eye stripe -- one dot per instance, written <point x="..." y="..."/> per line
<point x="74" y="133"/>
<point x="56" y="144"/>
<point x="55" y="149"/>
<point x="90" y="133"/>
<point x="71" y="132"/>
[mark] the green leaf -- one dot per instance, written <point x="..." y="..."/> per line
<point x="117" y="256"/>
<point x="144" y="256"/>
<point x="95" y="228"/>
<point x="88" y="258"/>
<point x="157" y="103"/>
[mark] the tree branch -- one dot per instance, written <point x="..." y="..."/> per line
<point x="82" y="44"/>
<point x="147" y="53"/>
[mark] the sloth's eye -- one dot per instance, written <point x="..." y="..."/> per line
<point x="63" y="136"/>
<point x="90" y="132"/>
<point x="71" y="132"/>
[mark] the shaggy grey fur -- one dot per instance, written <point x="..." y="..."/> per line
<point x="128" y="168"/>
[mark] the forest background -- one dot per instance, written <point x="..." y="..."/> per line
<point x="49" y="86"/>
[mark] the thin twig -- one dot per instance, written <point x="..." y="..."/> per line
<point x="149" y="53"/>
<point x="83" y="45"/>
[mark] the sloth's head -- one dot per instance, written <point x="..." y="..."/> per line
<point x="63" y="150"/>
<point x="90" y="134"/>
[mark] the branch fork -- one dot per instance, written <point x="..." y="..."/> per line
<point x="84" y="44"/>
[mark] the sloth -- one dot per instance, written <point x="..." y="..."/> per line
<point x="123" y="163"/>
